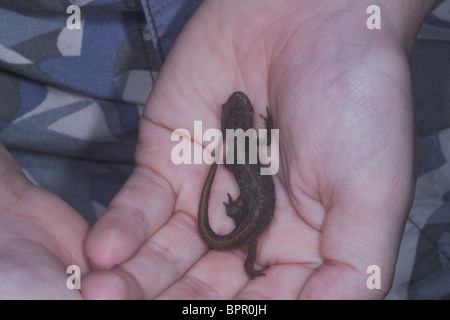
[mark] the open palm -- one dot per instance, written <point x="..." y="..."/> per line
<point x="340" y="97"/>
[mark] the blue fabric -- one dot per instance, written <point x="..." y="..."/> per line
<point x="17" y="28"/>
<point x="166" y="20"/>
<point x="104" y="34"/>
<point x="32" y="95"/>
<point x="71" y="100"/>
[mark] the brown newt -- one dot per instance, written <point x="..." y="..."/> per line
<point x="252" y="211"/>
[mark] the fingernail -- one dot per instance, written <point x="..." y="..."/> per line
<point x="110" y="267"/>
<point x="93" y="266"/>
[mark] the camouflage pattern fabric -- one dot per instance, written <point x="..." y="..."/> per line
<point x="423" y="268"/>
<point x="70" y="102"/>
<point x="71" y="99"/>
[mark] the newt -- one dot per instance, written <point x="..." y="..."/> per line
<point x="253" y="210"/>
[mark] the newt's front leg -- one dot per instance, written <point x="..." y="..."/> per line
<point x="268" y="123"/>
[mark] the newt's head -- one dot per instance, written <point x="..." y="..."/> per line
<point x="237" y="113"/>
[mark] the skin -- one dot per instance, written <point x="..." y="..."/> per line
<point x="341" y="96"/>
<point x="40" y="235"/>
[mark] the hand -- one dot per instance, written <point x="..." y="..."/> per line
<point x="40" y="236"/>
<point x="341" y="97"/>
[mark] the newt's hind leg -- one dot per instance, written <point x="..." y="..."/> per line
<point x="234" y="209"/>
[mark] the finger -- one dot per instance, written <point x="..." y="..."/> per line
<point x="221" y="274"/>
<point x="361" y="231"/>
<point x="13" y="181"/>
<point x="339" y="281"/>
<point x="32" y="213"/>
<point x="161" y="261"/>
<point x="139" y="209"/>
<point x="111" y="285"/>
<point x="282" y="282"/>
<point x="164" y="258"/>
<point x="146" y="201"/>
<point x="218" y="275"/>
